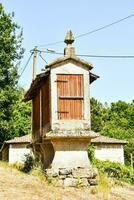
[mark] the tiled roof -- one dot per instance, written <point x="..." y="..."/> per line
<point x="23" y="139"/>
<point x="108" y="140"/>
<point x="99" y="139"/>
<point x="65" y="58"/>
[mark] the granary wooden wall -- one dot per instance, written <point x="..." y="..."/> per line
<point x="45" y="100"/>
<point x="41" y="111"/>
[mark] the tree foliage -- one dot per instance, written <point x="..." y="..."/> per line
<point x="11" y="53"/>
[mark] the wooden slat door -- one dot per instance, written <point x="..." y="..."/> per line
<point x="70" y="96"/>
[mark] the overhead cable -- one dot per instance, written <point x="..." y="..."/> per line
<point x="90" y="32"/>
<point x="26" y="64"/>
<point x="104" y="27"/>
<point x="42" y="58"/>
<point x="93" y="56"/>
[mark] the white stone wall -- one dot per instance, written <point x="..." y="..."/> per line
<point x="17" y="152"/>
<point x="69" y="68"/>
<point x="111" y="152"/>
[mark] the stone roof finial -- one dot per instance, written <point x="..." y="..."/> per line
<point x="69" y="38"/>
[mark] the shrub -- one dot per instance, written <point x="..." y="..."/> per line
<point x="30" y="163"/>
<point x="115" y="170"/>
<point x="91" y="152"/>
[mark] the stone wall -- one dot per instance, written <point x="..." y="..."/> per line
<point x="17" y="152"/>
<point x="72" y="177"/>
<point x="111" y="152"/>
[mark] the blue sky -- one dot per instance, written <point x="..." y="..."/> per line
<point x="46" y="21"/>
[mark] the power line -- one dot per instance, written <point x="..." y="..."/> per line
<point x="104" y="27"/>
<point x="26" y="65"/>
<point x="105" y="56"/>
<point x="93" y="56"/>
<point x="42" y="58"/>
<point x="90" y="32"/>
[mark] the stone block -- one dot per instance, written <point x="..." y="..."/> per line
<point x="83" y="182"/>
<point x="83" y="173"/>
<point x="51" y="172"/>
<point x="70" y="182"/>
<point x="95" y="172"/>
<point x="65" y="171"/>
<point x="92" y="181"/>
<point x="62" y="177"/>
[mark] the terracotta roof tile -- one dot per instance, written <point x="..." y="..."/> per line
<point x="108" y="140"/>
<point x="23" y="139"/>
<point x="64" y="59"/>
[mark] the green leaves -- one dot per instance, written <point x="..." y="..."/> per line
<point x="13" y="120"/>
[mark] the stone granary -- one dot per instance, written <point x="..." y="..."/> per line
<point x="61" y="127"/>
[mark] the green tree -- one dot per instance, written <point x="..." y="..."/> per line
<point x="21" y="116"/>
<point x="10" y="56"/>
<point x="99" y="114"/>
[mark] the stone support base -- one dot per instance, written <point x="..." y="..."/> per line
<point x="70" y="153"/>
<point x="76" y="177"/>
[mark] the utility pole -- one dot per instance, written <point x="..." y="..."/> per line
<point x="34" y="61"/>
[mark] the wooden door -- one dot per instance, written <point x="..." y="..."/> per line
<point x="70" y="96"/>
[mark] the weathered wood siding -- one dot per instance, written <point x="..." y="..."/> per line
<point x="70" y="96"/>
<point x="36" y="115"/>
<point x="45" y="102"/>
<point x="41" y="110"/>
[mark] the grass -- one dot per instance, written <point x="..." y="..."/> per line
<point x="20" y="186"/>
<point x="103" y="189"/>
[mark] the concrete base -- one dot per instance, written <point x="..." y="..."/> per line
<point x="70" y="153"/>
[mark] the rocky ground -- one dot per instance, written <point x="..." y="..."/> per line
<point x="18" y="186"/>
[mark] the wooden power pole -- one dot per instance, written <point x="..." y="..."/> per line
<point x="34" y="61"/>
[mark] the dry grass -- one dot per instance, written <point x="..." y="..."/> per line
<point x="19" y="186"/>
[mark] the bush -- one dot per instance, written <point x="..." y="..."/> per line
<point x="115" y="170"/>
<point x="91" y="152"/>
<point x="30" y="163"/>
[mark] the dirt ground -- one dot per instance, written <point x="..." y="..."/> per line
<point x="18" y="186"/>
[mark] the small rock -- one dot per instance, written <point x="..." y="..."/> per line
<point x="62" y="177"/>
<point x="83" y="182"/>
<point x="92" y="181"/>
<point x="65" y="171"/>
<point x="95" y="172"/>
<point x="83" y="173"/>
<point x="51" y="172"/>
